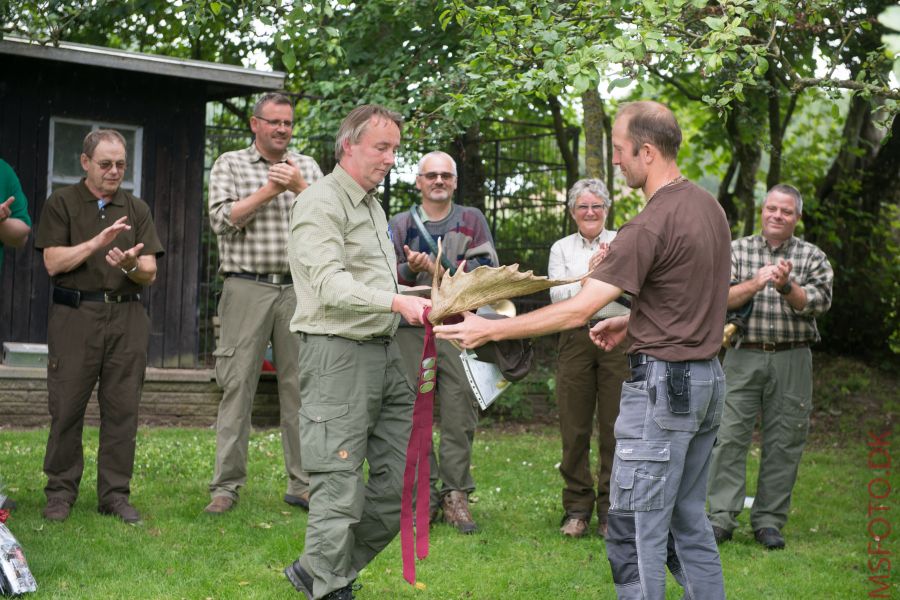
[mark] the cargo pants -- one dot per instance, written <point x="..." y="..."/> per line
<point x="668" y="419"/>
<point x="357" y="407"/>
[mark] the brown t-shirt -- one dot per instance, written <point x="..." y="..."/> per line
<point x="71" y="216"/>
<point x="675" y="258"/>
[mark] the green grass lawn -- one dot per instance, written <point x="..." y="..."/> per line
<point x="179" y="552"/>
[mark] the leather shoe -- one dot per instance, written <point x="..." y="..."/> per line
<point x="574" y="527"/>
<point x="603" y="527"/>
<point x="57" y="509"/>
<point x="300" y="579"/>
<point x="770" y="538"/>
<point x="219" y="505"/>
<point x="722" y="535"/>
<point x="301" y="501"/>
<point x="122" y="509"/>
<point x="455" y="507"/>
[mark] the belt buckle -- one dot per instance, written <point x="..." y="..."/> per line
<point x="276" y="278"/>
<point x="110" y="298"/>
<point x="768" y="346"/>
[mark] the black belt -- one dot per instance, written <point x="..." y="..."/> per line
<point x="635" y="360"/>
<point x="273" y="278"/>
<point x="378" y="339"/>
<point x="773" y="346"/>
<point x="592" y="322"/>
<point x="73" y="298"/>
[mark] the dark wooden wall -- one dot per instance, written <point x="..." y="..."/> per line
<point x="172" y="113"/>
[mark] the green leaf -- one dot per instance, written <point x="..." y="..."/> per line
<point x="620" y="82"/>
<point x="215" y="7"/>
<point x="289" y="59"/>
<point x="742" y="31"/>
<point x="715" y="23"/>
<point x="581" y="83"/>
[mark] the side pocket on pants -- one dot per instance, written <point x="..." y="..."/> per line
<point x="325" y="438"/>
<point x="640" y="477"/>
<point x="223" y="357"/>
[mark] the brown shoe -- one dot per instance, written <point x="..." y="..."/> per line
<point x="57" y="509"/>
<point x="219" y="505"/>
<point x="603" y="527"/>
<point x="122" y="509"/>
<point x="456" y="512"/>
<point x="574" y="527"/>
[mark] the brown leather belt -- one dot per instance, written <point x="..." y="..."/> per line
<point x="773" y="346"/>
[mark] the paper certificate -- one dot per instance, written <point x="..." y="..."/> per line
<point x="485" y="378"/>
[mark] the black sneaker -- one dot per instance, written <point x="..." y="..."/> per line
<point x="770" y="538"/>
<point x="345" y="593"/>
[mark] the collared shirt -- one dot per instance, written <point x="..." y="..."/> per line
<point x="71" y="217"/>
<point x="342" y="261"/>
<point x="570" y="257"/>
<point x="10" y="186"/>
<point x="259" y="243"/>
<point x="773" y="319"/>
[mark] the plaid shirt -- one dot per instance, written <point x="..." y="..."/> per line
<point x="773" y="319"/>
<point x="259" y="244"/>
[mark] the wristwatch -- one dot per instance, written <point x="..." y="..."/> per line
<point x="786" y="288"/>
<point x="131" y="270"/>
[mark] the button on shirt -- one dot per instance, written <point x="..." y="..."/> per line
<point x="570" y="257"/>
<point x="259" y="243"/>
<point x="773" y="319"/>
<point x="342" y="261"/>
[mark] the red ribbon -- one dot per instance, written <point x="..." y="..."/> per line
<point x="417" y="472"/>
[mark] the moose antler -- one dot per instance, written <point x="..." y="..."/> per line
<point x="454" y="294"/>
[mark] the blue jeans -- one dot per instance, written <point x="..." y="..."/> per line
<point x="668" y="419"/>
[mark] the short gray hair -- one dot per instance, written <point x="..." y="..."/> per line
<point x="593" y="186"/>
<point x="354" y="125"/>
<point x="274" y="98"/>
<point x="789" y="190"/>
<point x="435" y="154"/>
<point x="93" y="139"/>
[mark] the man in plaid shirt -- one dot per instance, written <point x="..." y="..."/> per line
<point x="770" y="370"/>
<point x="251" y="192"/>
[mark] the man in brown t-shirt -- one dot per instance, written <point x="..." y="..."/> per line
<point x="100" y="249"/>
<point x="675" y="259"/>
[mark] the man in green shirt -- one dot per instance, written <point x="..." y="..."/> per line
<point x="14" y="222"/>
<point x="357" y="403"/>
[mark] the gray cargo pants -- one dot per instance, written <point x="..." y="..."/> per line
<point x="668" y="418"/>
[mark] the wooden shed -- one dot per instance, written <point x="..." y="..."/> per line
<point x="50" y="97"/>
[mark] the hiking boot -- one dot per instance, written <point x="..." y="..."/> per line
<point x="345" y="593"/>
<point x="219" y="505"/>
<point x="301" y="580"/>
<point x="456" y="512"/>
<point x="722" y="535"/>
<point x="122" y="509"/>
<point x="573" y="527"/>
<point x="301" y="501"/>
<point x="57" y="509"/>
<point x="770" y="538"/>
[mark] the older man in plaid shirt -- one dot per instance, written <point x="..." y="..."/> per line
<point x="251" y="192"/>
<point x="770" y="371"/>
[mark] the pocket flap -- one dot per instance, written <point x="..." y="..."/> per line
<point x="625" y="478"/>
<point x="642" y="450"/>
<point x="224" y="351"/>
<point x="319" y="413"/>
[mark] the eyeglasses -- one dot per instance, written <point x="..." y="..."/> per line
<point x="433" y="175"/>
<point x="587" y="207"/>
<point x="276" y="122"/>
<point x="106" y="165"/>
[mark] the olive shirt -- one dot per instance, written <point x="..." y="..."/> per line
<point x="71" y="216"/>
<point x="10" y="186"/>
<point x="675" y="258"/>
<point x="342" y="261"/>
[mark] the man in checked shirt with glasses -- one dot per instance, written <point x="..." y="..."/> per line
<point x="251" y="192"/>
<point x="790" y="282"/>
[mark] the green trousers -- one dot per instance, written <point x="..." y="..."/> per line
<point x="357" y="407"/>
<point x="458" y="414"/>
<point x="779" y="386"/>
<point x="588" y="387"/>
<point x="251" y="314"/>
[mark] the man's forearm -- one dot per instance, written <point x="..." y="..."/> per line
<point x="741" y="293"/>
<point x="14" y="232"/>
<point x="145" y="274"/>
<point x="62" y="259"/>
<point x="244" y="208"/>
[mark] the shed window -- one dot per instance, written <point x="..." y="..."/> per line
<point x="66" y="138"/>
